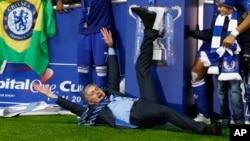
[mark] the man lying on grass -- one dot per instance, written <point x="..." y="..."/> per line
<point x="108" y="106"/>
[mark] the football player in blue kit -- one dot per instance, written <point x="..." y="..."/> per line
<point x="91" y="50"/>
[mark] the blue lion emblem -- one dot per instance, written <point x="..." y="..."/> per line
<point x="20" y="20"/>
<point x="229" y="66"/>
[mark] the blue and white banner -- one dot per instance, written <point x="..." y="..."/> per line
<point x="60" y="75"/>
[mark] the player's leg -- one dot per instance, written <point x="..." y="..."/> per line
<point x="199" y="87"/>
<point x="99" y="49"/>
<point x="84" y="61"/>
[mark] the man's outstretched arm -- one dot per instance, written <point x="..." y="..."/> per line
<point x="113" y="69"/>
<point x="64" y="103"/>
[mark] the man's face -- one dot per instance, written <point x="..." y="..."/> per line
<point x="94" y="95"/>
<point x="223" y="9"/>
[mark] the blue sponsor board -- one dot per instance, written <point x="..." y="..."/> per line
<point x="16" y="84"/>
<point x="169" y="79"/>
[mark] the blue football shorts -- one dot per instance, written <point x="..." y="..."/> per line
<point x="91" y="50"/>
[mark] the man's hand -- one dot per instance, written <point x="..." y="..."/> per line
<point x="107" y="37"/>
<point x="228" y="41"/>
<point x="44" y="90"/>
<point x="59" y="7"/>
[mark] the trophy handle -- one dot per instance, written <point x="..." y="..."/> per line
<point x="178" y="8"/>
<point x="130" y="11"/>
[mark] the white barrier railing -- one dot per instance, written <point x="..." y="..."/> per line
<point x="69" y="6"/>
<point x="76" y="5"/>
<point x="209" y="2"/>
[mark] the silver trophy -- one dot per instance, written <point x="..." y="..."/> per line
<point x="163" y="50"/>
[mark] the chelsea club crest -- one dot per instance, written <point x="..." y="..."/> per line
<point x="19" y="20"/>
<point x="229" y="67"/>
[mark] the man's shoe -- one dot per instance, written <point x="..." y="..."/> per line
<point x="201" y="118"/>
<point x="213" y="130"/>
<point x="147" y="17"/>
<point x="159" y="20"/>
